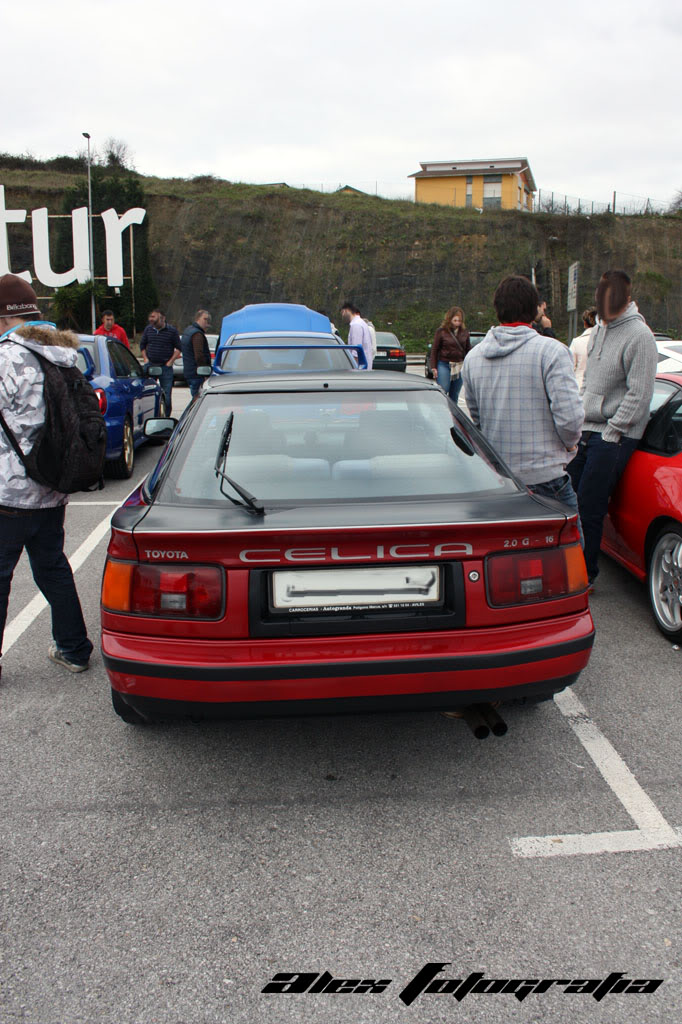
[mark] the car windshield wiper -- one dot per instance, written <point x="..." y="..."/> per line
<point x="250" y="502"/>
<point x="463" y="443"/>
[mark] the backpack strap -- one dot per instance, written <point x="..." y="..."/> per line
<point x="12" y="440"/>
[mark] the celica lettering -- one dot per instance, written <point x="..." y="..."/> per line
<point x="337" y="554"/>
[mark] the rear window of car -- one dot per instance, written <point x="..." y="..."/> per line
<point x="312" y="447"/>
<point x="280" y="357"/>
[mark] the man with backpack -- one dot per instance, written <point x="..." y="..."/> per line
<point x="32" y="512"/>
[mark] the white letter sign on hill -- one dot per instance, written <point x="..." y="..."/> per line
<point x="114" y="227"/>
<point x="9" y="217"/>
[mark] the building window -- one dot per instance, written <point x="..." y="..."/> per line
<point x="469" y="200"/>
<point x="492" y="191"/>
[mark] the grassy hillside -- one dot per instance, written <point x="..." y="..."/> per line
<point x="221" y="245"/>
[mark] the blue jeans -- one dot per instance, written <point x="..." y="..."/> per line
<point x="41" y="532"/>
<point x="166" y="382"/>
<point x="561" y="489"/>
<point x="450" y="385"/>
<point x="594" y="472"/>
<point x="194" y="383"/>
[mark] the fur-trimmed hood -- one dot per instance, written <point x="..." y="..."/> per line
<point x="57" y="346"/>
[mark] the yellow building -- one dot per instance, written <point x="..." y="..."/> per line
<point x="480" y="184"/>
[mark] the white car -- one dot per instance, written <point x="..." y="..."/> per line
<point x="669" y="356"/>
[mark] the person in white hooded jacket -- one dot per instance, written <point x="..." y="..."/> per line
<point x="31" y="514"/>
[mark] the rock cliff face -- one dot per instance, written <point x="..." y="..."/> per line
<point x="221" y="245"/>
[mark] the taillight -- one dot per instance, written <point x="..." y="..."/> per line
<point x="396" y="353"/>
<point x="102" y="399"/>
<point x="528" y="576"/>
<point x="166" y="591"/>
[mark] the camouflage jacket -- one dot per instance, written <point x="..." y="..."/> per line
<point x="21" y="404"/>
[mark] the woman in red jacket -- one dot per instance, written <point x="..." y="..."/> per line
<point x="450" y="345"/>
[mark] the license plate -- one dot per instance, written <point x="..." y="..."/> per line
<point x="376" y="589"/>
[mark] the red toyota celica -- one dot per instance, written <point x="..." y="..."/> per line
<point x="643" y="530"/>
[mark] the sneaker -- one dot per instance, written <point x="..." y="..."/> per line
<point x="54" y="654"/>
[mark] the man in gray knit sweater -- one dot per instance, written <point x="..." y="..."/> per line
<point x="616" y="392"/>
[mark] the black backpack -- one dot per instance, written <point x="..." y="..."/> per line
<point x="68" y="454"/>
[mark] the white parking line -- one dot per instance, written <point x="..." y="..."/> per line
<point x="652" y="833"/>
<point x="32" y="610"/>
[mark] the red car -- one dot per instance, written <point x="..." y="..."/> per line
<point x="338" y="542"/>
<point x="643" y="530"/>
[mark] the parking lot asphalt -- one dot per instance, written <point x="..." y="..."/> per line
<point x="167" y="873"/>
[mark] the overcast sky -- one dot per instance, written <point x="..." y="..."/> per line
<point x="357" y="92"/>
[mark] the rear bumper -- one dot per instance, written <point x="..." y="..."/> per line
<point x="423" y="670"/>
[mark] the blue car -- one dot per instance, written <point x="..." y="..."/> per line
<point x="127" y="398"/>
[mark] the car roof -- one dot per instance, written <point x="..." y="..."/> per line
<point x="274" y="316"/>
<point x="358" y="381"/>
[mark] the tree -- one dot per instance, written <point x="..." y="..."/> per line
<point x="117" y="154"/>
<point x="676" y="205"/>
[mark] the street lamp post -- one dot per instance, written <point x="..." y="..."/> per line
<point x="86" y="135"/>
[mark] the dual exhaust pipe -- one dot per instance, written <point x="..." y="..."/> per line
<point x="482" y="719"/>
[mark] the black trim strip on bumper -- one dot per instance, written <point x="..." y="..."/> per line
<point x="342" y="670"/>
<point x="530" y="693"/>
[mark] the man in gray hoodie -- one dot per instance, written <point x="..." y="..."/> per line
<point x="31" y="514"/>
<point x="616" y="392"/>
<point x="521" y="391"/>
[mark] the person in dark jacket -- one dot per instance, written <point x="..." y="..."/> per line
<point x="542" y="324"/>
<point x="160" y="344"/>
<point x="195" y="350"/>
<point x="450" y="346"/>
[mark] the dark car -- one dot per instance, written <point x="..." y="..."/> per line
<point x="332" y="543"/>
<point x="390" y="355"/>
<point x="475" y="337"/>
<point x="127" y="398"/>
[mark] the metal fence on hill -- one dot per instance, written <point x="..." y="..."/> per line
<point x="546" y="200"/>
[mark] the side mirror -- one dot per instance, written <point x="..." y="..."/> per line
<point x="154" y="371"/>
<point x="204" y="371"/>
<point x="160" y="429"/>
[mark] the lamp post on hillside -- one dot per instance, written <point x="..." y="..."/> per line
<point x="86" y="135"/>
